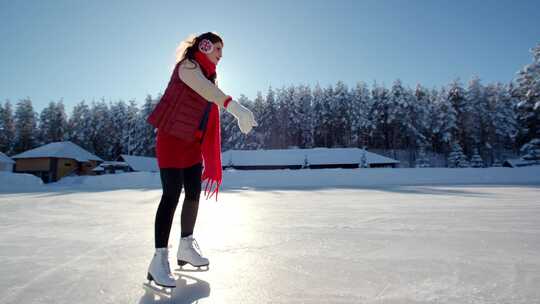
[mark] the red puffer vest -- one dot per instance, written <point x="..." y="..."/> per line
<point x="181" y="112"/>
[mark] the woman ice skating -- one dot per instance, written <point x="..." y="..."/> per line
<point x="188" y="136"/>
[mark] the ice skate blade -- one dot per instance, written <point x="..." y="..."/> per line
<point x="165" y="292"/>
<point x="151" y="279"/>
<point x="198" y="268"/>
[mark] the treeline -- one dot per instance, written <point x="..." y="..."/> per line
<point x="481" y="121"/>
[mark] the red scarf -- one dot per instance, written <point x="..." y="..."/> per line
<point x="211" y="145"/>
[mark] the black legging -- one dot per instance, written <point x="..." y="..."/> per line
<point x="172" y="180"/>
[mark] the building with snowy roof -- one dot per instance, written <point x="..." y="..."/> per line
<point x="140" y="163"/>
<point x="112" y="167"/>
<point x="519" y="162"/>
<point x="6" y="163"/>
<point x="316" y="158"/>
<point x="53" y="161"/>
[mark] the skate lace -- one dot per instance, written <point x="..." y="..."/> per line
<point x="196" y="245"/>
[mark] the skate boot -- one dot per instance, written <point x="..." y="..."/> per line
<point x="159" y="270"/>
<point x="189" y="252"/>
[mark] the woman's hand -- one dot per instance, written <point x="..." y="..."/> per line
<point x="245" y="118"/>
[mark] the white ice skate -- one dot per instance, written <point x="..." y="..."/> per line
<point x="189" y="252"/>
<point x="160" y="272"/>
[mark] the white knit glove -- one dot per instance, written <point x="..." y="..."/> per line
<point x="245" y="118"/>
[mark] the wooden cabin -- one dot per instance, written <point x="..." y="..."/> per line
<point x="53" y="161"/>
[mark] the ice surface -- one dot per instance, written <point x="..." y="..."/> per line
<point x="79" y="243"/>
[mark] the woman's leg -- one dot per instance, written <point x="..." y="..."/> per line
<point x="190" y="208"/>
<point x="171" y="181"/>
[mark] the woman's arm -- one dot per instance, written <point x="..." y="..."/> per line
<point x="192" y="75"/>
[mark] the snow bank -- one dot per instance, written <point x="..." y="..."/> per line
<point x="380" y="177"/>
<point x="111" y="181"/>
<point x="19" y="182"/>
<point x="291" y="179"/>
<point x="322" y="178"/>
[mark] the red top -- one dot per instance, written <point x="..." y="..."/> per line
<point x="173" y="152"/>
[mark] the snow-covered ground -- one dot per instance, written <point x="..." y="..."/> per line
<point x="308" y="236"/>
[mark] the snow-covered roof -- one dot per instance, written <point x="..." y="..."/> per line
<point x="519" y="162"/>
<point x="5" y="159"/>
<point x="291" y="157"/>
<point x="321" y="156"/>
<point x="261" y="157"/>
<point x="61" y="149"/>
<point x="141" y="163"/>
<point x="98" y="169"/>
<point x="114" y="163"/>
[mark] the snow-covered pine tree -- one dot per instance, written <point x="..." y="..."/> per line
<point x="119" y="129"/>
<point x="303" y="99"/>
<point x="528" y="92"/>
<point x="319" y="130"/>
<point x="327" y="117"/>
<point x="297" y="116"/>
<point x="420" y="117"/>
<point x="286" y="111"/>
<point x="478" y="120"/>
<point x="476" y="159"/>
<point x="53" y="123"/>
<point x="100" y="124"/>
<point x="341" y="115"/>
<point x="44" y="124"/>
<point x="79" y="126"/>
<point x="422" y="161"/>
<point x="361" y="124"/>
<point x="434" y="123"/>
<point x="398" y="104"/>
<point x="380" y="117"/>
<point x="59" y="121"/>
<point x="130" y="141"/>
<point x="258" y="112"/>
<point x="411" y="123"/>
<point x="456" y="158"/>
<point x="269" y="121"/>
<point x="294" y="117"/>
<point x="4" y="144"/>
<point x="363" y="159"/>
<point x="531" y="151"/>
<point x="25" y="126"/>
<point x="501" y="125"/>
<point x="145" y="135"/>
<point x="446" y="126"/>
<point x="7" y="128"/>
<point x="457" y="98"/>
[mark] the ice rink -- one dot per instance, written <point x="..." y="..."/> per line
<point x="409" y="244"/>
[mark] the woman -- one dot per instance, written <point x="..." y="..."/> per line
<point x="187" y="119"/>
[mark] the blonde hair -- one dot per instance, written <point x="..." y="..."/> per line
<point x="181" y="50"/>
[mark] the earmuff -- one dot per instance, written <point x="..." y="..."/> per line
<point x="206" y="46"/>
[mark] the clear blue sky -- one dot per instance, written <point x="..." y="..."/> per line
<point x="77" y="50"/>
